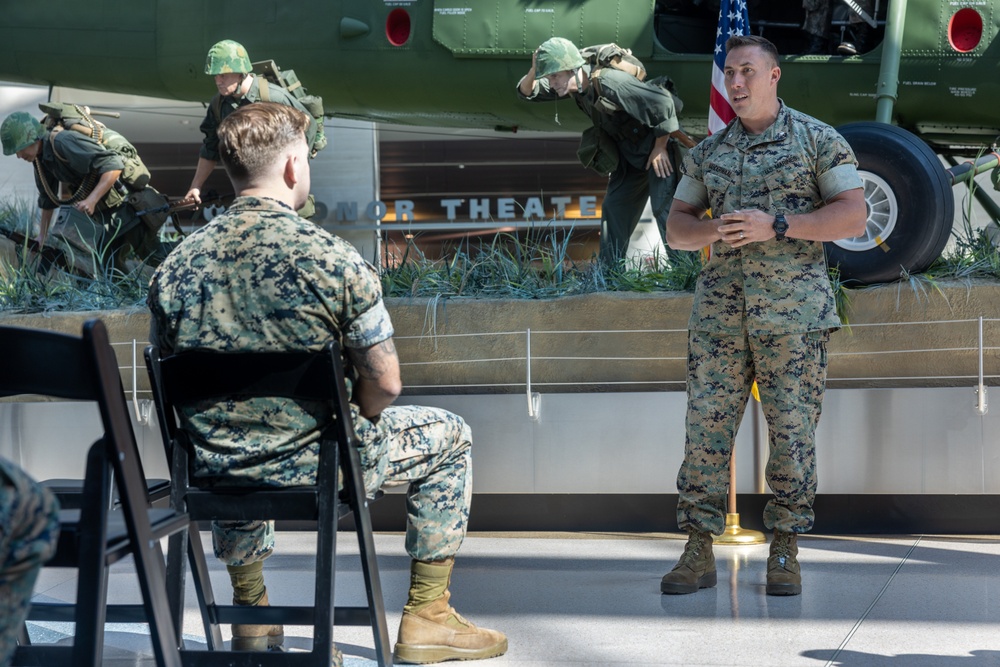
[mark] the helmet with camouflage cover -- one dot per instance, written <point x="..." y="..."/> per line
<point x="227" y="57"/>
<point x="18" y="131"/>
<point x="557" y="55"/>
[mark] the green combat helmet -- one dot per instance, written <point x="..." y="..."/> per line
<point x="18" y="131"/>
<point x="227" y="57"/>
<point x="557" y="55"/>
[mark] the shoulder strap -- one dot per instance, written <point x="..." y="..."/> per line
<point x="263" y="89"/>
<point x="601" y="103"/>
<point x="216" y="106"/>
<point x="56" y="129"/>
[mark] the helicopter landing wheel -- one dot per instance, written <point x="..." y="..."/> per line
<point x="910" y="206"/>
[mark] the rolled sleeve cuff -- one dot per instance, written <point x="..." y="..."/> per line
<point x="839" y="179"/>
<point x="691" y="191"/>
<point x="666" y="127"/>
<point x="208" y="153"/>
<point x="371" y="327"/>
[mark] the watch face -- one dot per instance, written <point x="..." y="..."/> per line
<point x="780" y="225"/>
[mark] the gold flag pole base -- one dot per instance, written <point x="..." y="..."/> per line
<point x="733" y="534"/>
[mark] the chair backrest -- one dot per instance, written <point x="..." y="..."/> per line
<point x="47" y="363"/>
<point x="199" y="375"/>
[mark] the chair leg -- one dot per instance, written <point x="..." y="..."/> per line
<point x="176" y="569"/>
<point x="373" y="586"/>
<point x="92" y="572"/>
<point x="326" y="564"/>
<point x="357" y="500"/>
<point x="22" y="635"/>
<point x="148" y="558"/>
<point x="203" y="590"/>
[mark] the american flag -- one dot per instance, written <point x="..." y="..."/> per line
<point x="733" y="20"/>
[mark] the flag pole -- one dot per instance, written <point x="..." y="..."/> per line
<point x="733" y="533"/>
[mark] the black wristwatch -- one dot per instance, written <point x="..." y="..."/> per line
<point x="780" y="226"/>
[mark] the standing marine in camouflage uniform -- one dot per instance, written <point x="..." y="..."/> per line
<point x="260" y="278"/>
<point x="29" y="527"/>
<point x="778" y="184"/>
<point x="639" y="118"/>
<point x="74" y="169"/>
<point x="229" y="64"/>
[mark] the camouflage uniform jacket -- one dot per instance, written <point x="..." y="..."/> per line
<point x="229" y="104"/>
<point x="82" y="156"/>
<point x="259" y="277"/>
<point x="770" y="287"/>
<point x="645" y="111"/>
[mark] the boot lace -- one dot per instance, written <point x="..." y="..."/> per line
<point x="696" y="542"/>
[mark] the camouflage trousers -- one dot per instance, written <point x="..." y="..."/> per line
<point x="790" y="370"/>
<point x="29" y="527"/>
<point x="426" y="448"/>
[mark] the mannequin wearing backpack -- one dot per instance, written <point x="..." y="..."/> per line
<point x="635" y="134"/>
<point x="229" y="64"/>
<point x="97" y="184"/>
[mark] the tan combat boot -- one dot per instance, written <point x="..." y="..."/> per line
<point x="431" y="630"/>
<point x="248" y="637"/>
<point x="696" y="567"/>
<point x="249" y="590"/>
<point x="783" y="572"/>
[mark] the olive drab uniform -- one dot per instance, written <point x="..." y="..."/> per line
<point x="66" y="170"/>
<point x="633" y="113"/>
<point x="259" y="277"/>
<point x="220" y="107"/>
<point x="29" y="528"/>
<point x="763" y="311"/>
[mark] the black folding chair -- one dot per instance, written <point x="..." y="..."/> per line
<point x="200" y="375"/>
<point x="97" y="534"/>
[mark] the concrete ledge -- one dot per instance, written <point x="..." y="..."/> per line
<point x="638" y="342"/>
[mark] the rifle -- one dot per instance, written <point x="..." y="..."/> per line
<point x="49" y="254"/>
<point x="169" y="207"/>
<point x="177" y="205"/>
<point x="180" y="205"/>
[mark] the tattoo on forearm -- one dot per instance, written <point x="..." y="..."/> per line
<point x="373" y="363"/>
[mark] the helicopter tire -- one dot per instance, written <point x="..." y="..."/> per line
<point x="910" y="206"/>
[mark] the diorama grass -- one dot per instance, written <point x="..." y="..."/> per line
<point x="538" y="264"/>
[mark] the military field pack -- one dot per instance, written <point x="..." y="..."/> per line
<point x="612" y="55"/>
<point x="287" y="80"/>
<point x="65" y="116"/>
<point x="602" y="56"/>
<point x="61" y="116"/>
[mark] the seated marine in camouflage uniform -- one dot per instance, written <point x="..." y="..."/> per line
<point x="259" y="277"/>
<point x="29" y="527"/>
<point x="74" y="169"/>
<point x="638" y="116"/>
<point x="229" y="63"/>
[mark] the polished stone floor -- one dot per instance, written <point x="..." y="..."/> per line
<point x="593" y="599"/>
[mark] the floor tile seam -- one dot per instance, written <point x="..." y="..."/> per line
<point x="857" y="625"/>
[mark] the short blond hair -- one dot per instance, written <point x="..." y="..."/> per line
<point x="254" y="136"/>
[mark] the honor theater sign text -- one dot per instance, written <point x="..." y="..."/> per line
<point x="484" y="208"/>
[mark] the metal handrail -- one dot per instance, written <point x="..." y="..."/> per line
<point x="142" y="405"/>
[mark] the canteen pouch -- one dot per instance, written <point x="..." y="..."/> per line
<point x="598" y="151"/>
